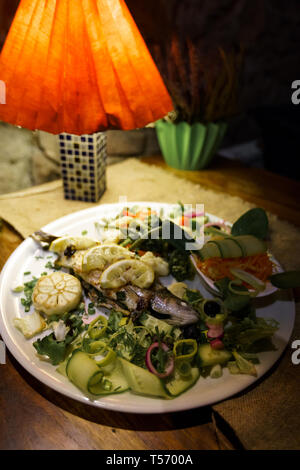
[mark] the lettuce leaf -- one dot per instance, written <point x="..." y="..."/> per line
<point x="250" y="335"/>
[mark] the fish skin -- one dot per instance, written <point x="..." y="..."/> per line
<point x="180" y="312"/>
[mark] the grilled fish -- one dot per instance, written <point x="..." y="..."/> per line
<point x="127" y="299"/>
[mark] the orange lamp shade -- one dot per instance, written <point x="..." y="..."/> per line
<point x="79" y="66"/>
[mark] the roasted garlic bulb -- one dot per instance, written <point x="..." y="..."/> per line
<point x="56" y="293"/>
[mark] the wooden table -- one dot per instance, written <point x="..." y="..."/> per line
<point x="271" y="191"/>
<point x="32" y="416"/>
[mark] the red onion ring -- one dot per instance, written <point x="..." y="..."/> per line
<point x="215" y="331"/>
<point x="150" y="366"/>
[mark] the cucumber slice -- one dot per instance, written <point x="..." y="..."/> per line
<point x="251" y="245"/>
<point x="83" y="371"/>
<point x="233" y="247"/>
<point x="141" y="381"/>
<point x="151" y="323"/>
<point x="229" y="248"/>
<point x="180" y="384"/>
<point x="210" y="250"/>
<point x="207" y="356"/>
<point x="115" y="377"/>
<point x="240" y="248"/>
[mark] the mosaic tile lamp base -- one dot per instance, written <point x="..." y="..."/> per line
<point x="83" y="166"/>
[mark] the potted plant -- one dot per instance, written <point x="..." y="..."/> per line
<point x="204" y="91"/>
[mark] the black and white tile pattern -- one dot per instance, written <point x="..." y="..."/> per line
<point x="83" y="166"/>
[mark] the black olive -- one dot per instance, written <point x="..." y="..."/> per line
<point x="69" y="251"/>
<point x="212" y="308"/>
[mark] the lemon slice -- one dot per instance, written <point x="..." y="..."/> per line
<point x="56" y="293"/>
<point x="127" y="271"/>
<point x="99" y="257"/>
<point x="79" y="243"/>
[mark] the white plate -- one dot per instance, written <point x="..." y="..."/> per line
<point x="279" y="306"/>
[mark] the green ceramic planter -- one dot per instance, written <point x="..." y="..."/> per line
<point x="189" y="147"/>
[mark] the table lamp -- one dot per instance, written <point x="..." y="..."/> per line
<point x="77" y="68"/>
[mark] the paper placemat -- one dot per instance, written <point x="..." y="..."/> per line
<point x="268" y="415"/>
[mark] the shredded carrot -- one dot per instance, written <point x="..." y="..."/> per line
<point x="217" y="268"/>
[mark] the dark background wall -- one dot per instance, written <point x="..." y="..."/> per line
<point x="268" y="29"/>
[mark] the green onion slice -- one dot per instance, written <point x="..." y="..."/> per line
<point x="97" y="327"/>
<point x="182" y="345"/>
<point x="253" y="281"/>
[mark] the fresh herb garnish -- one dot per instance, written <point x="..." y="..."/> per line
<point x="49" y="346"/>
<point x="113" y="321"/>
<point x="50" y="265"/>
<point x="28" y="290"/>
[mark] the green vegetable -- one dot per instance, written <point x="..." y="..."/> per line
<point x="234" y="302"/>
<point x="114" y="320"/>
<point x="58" y="350"/>
<point x="245" y="334"/>
<point x="229" y="247"/>
<point x="233" y="368"/>
<point x="192" y="297"/>
<point x="28" y="290"/>
<point x="180" y="266"/>
<point x="286" y="280"/>
<point x="142" y="381"/>
<point x="244" y="366"/>
<point x="185" y="349"/>
<point x="49" y="346"/>
<point x="83" y="371"/>
<point x="179" y="383"/>
<point x="184" y="368"/>
<point x="97" y="327"/>
<point x="156" y="325"/>
<point x="207" y="356"/>
<point x="253" y="222"/>
<point x="18" y="289"/>
<point x="91" y="309"/>
<point x="216" y="372"/>
<point x="176" y="236"/>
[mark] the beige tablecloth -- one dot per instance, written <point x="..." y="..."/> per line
<point x="267" y="416"/>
